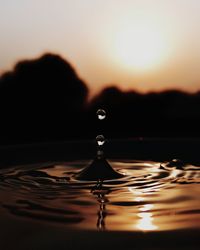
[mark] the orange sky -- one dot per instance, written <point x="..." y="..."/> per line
<point x="135" y="44"/>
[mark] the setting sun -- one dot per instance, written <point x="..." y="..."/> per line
<point x="140" y="47"/>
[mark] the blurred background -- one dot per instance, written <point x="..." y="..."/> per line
<point x="62" y="60"/>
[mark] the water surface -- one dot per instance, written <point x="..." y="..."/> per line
<point x="152" y="196"/>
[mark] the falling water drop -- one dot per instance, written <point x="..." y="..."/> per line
<point x="99" y="169"/>
<point x="101" y="114"/>
<point x="100" y="139"/>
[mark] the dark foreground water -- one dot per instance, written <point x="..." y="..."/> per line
<point x="152" y="197"/>
<point x="156" y="205"/>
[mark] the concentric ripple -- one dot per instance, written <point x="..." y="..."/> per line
<point x="150" y="196"/>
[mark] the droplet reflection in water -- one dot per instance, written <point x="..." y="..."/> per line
<point x="101" y="114"/>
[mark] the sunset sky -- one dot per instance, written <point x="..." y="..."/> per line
<point x="134" y="44"/>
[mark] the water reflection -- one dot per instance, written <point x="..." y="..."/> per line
<point x="151" y="198"/>
<point x="146" y="219"/>
<point x="146" y="222"/>
<point x="100" y="192"/>
<point x="101" y="217"/>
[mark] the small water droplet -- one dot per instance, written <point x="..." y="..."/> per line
<point x="101" y="114"/>
<point x="176" y="163"/>
<point x="100" y="139"/>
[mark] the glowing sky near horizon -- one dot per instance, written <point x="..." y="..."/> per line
<point x="134" y="44"/>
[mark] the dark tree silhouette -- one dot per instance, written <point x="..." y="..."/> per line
<point x="45" y="100"/>
<point x="41" y="99"/>
<point x="166" y="114"/>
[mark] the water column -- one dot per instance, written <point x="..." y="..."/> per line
<point x="99" y="169"/>
<point x="100" y="139"/>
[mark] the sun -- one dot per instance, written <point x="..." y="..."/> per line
<point x="140" y="47"/>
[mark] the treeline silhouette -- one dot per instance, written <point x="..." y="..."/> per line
<point x="45" y="100"/>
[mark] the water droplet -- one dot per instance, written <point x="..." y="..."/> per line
<point x="101" y="114"/>
<point x="176" y="163"/>
<point x="100" y="139"/>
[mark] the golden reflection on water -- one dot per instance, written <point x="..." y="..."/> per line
<point x="138" y="199"/>
<point x="174" y="173"/>
<point x="146" y="220"/>
<point x="154" y="199"/>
